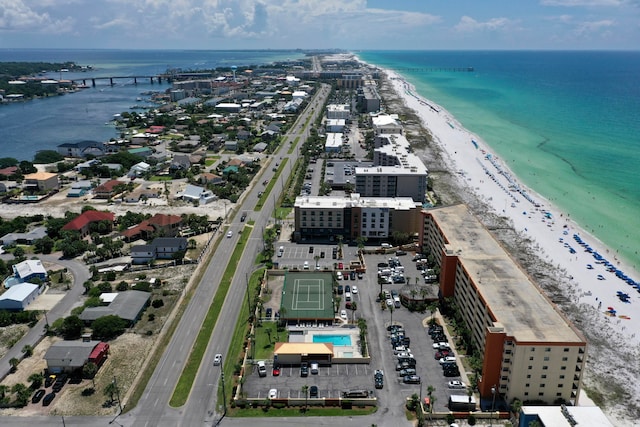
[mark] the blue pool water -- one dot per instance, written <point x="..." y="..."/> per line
<point x="336" y="340"/>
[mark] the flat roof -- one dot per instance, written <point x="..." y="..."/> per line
<point x="303" y="348"/>
<point x="354" y="200"/>
<point x="555" y="416"/>
<point x="512" y="297"/>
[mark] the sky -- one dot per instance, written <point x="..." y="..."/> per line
<point x="320" y="24"/>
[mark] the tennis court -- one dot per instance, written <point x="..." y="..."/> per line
<point x="307" y="296"/>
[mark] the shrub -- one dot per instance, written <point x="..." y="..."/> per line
<point x="157" y="303"/>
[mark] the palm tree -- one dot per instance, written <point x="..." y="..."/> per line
<point x="354" y="307"/>
<point x="340" y="238"/>
<point x="89" y="370"/>
<point x="36" y="380"/>
<point x="27" y="350"/>
<point x="14" y="362"/>
<point x="110" y="390"/>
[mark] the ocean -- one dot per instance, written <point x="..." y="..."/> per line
<point x="566" y="123"/>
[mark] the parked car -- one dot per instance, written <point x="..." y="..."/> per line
<point x="456" y="384"/>
<point x="404" y="365"/>
<point x="49" y="380"/>
<point x="48" y="399"/>
<point x="443" y="353"/>
<point x="229" y="234"/>
<point x="407" y="371"/>
<point x="453" y="372"/>
<point x="400" y="253"/>
<point x="447" y="359"/>
<point x="347" y="288"/>
<point x="354" y="289"/>
<point x="273" y="393"/>
<point x="378" y="378"/>
<point x="262" y="369"/>
<point x="304" y="369"/>
<point x="411" y="379"/>
<point x="217" y="359"/>
<point x="313" y="391"/>
<point x="441" y="345"/>
<point x="276" y="371"/>
<point x="340" y="289"/>
<point x="38" y="396"/>
<point x="269" y="312"/>
<point x="314" y="368"/>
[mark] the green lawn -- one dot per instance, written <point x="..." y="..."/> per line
<point x="183" y="388"/>
<point x="264" y="347"/>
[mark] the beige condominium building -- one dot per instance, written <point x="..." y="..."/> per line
<point x="530" y="350"/>
<point x="375" y="218"/>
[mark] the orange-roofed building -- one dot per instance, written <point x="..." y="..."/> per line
<point x="41" y="181"/>
<point x="82" y="223"/>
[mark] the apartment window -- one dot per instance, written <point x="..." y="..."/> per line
<point x="507" y="360"/>
<point x="560" y="385"/>
<point x="505" y="369"/>
<point x="531" y="358"/>
<point x="558" y="394"/>
<point x="508" y="342"/>
<point x="541" y="394"/>
<point x="542" y="385"/>
<point x="548" y="349"/>
<point x="561" y="377"/>
<point x="528" y="376"/>
<point x="546" y="358"/>
<point x="563" y="368"/>
<point x="533" y="349"/>
<point x="564" y="359"/>
<point x="566" y="349"/>
<point x="526" y="393"/>
<point x="504" y="378"/>
<point x="364" y="214"/>
<point x="507" y="351"/>
<point x="545" y="367"/>
<point x="543" y="376"/>
<point x="526" y="385"/>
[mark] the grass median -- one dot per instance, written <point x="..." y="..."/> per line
<point x="269" y="187"/>
<point x="183" y="388"/>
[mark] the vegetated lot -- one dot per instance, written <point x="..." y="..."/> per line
<point x="330" y="380"/>
<point x="123" y="363"/>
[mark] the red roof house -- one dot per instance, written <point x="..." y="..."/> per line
<point x="159" y="225"/>
<point x="82" y="223"/>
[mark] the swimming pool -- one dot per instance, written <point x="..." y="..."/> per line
<point x="336" y="340"/>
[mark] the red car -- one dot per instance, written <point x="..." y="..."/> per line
<point x="340" y="266"/>
<point x="276" y="371"/>
<point x="443" y="353"/>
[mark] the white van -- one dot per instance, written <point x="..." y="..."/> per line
<point x="347" y="296"/>
<point x="396" y="302"/>
<point x="386" y="245"/>
<point x="280" y="251"/>
<point x="339" y="275"/>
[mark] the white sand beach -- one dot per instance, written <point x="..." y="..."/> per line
<point x="589" y="286"/>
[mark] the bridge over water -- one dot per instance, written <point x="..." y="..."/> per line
<point x="159" y="78"/>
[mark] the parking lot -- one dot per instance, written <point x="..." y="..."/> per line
<point x="332" y="381"/>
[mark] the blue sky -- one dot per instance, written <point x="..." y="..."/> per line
<point x="317" y="24"/>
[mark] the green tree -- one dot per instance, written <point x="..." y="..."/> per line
<point x="14" y="362"/>
<point x="36" y="380"/>
<point x="71" y="327"/>
<point x="89" y="370"/>
<point x="27" y="350"/>
<point x="108" y="327"/>
<point x="305" y="391"/>
<point x="111" y="390"/>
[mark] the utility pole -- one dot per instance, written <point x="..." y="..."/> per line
<point x="115" y="383"/>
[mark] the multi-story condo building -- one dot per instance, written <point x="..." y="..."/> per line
<point x="530" y="350"/>
<point x="353" y="216"/>
<point x="368" y="99"/>
<point x="338" y="111"/>
<point x="386" y="124"/>
<point x="396" y="171"/>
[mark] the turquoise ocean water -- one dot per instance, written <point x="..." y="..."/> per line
<point x="566" y="123"/>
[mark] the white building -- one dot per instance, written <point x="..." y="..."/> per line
<point x="333" y="144"/>
<point x="386" y="124"/>
<point x="335" y="125"/>
<point x="18" y="297"/>
<point x="338" y="111"/>
<point x="396" y="172"/>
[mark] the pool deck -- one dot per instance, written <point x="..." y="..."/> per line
<point x="340" y="352"/>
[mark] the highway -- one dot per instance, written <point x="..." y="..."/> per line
<point x="153" y="408"/>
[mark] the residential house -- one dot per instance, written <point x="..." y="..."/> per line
<point x="210" y="178"/>
<point x="27" y="271"/>
<point x="9" y="171"/>
<point x="24" y="238"/>
<point x="142" y="193"/>
<point x="139" y="169"/>
<point x="82" y="149"/>
<point x="107" y="190"/>
<point x="231" y="145"/>
<point x="41" y="181"/>
<point x="158" y="225"/>
<point x="195" y="193"/>
<point x="68" y="356"/>
<point x="82" y="223"/>
<point x="180" y="162"/>
<point x="260" y="147"/>
<point x="160" y="248"/>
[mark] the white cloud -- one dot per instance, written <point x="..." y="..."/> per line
<point x="591" y="27"/>
<point x="468" y="24"/>
<point x="17" y="15"/>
